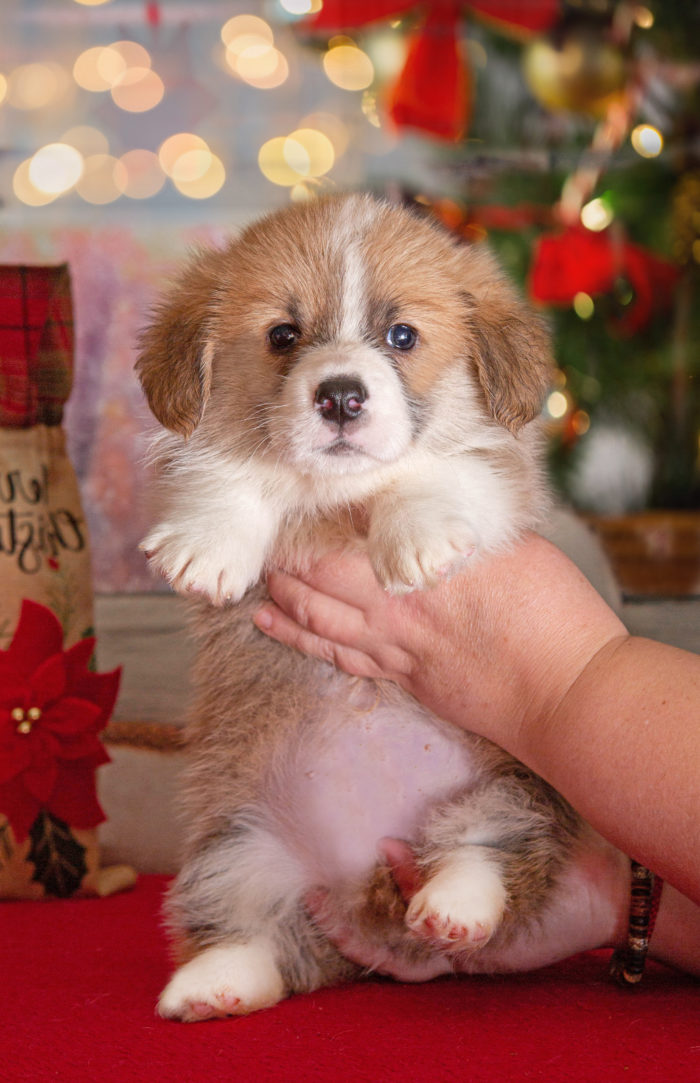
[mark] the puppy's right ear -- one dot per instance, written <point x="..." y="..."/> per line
<point x="175" y="356"/>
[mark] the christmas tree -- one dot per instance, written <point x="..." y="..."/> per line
<point x="568" y="138"/>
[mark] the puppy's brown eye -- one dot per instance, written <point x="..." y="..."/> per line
<point x="401" y="336"/>
<point x="284" y="336"/>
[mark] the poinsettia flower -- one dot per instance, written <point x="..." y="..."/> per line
<point x="52" y="708"/>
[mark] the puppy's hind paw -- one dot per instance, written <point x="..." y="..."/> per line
<point x="230" y="979"/>
<point x="457" y="912"/>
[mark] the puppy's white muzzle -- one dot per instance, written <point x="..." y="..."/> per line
<point x="342" y="410"/>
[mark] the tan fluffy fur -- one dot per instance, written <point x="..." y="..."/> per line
<point x="443" y="461"/>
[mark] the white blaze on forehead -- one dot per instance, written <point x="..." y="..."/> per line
<point x="356" y="218"/>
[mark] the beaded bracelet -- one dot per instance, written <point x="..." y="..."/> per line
<point x="627" y="964"/>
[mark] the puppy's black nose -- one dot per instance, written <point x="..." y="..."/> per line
<point x="340" y="398"/>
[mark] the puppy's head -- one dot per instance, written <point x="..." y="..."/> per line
<point x="333" y="335"/>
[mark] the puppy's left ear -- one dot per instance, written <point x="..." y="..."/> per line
<point x="512" y="354"/>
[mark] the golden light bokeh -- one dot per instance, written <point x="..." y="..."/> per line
<point x="3" y="88"/>
<point x="132" y="53"/>
<point x="297" y="157"/>
<point x="557" y="405"/>
<point x="246" y="26"/>
<point x="318" y="149"/>
<point x="36" y="85"/>
<point x="25" y="190"/>
<point x="86" y="139"/>
<point x="95" y="68"/>
<point x="348" y="67"/>
<point x="301" y="7"/>
<point x="583" y="305"/>
<point x="306" y="153"/>
<point x="206" y="185"/>
<point x="138" y="174"/>
<point x="596" y="215"/>
<point x="192" y="165"/>
<point x="647" y="140"/>
<point x="261" y="66"/>
<point x="370" y="108"/>
<point x="105" y="67"/>
<point x="177" y="146"/>
<point x="332" y="127"/>
<point x="97" y="184"/>
<point x="273" y="162"/>
<point x="251" y="54"/>
<point x="580" y="422"/>
<point x="138" y="90"/>
<point x="643" y="17"/>
<point x="251" y="45"/>
<point x="93" y="3"/>
<point x="55" y="168"/>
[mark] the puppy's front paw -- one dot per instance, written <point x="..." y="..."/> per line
<point x="231" y="979"/>
<point x="418" y="548"/>
<point x="218" y="568"/>
<point x="458" y="912"/>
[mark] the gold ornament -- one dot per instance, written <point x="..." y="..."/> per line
<point x="579" y="71"/>
<point x="686" y="218"/>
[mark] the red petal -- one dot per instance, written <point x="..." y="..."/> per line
<point x="71" y="716"/>
<point x="12" y="687"/>
<point x="37" y="636"/>
<point x="40" y="779"/>
<point x="48" y="682"/>
<point x="19" y="806"/>
<point x="84" y="747"/>
<point x="75" y="797"/>
<point x="78" y="656"/>
<point x="15" y="756"/>
<point x="99" y="688"/>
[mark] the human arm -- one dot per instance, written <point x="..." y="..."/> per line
<point x="520" y="648"/>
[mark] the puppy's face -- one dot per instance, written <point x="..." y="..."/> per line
<point x="334" y="335"/>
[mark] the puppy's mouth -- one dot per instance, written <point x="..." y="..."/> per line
<point x="342" y="447"/>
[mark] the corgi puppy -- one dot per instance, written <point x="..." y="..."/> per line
<point x="346" y="373"/>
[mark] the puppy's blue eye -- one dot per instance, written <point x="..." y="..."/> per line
<point x="401" y="336"/>
<point x="284" y="336"/>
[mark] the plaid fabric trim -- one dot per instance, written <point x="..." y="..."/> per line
<point x="36" y="345"/>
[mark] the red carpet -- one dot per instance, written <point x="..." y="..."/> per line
<point x="79" y="980"/>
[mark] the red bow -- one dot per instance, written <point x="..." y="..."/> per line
<point x="581" y="261"/>
<point x="433" y="92"/>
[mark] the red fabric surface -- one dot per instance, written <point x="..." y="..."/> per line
<point x="79" y="979"/>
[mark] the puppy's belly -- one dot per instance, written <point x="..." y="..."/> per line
<point x="374" y="774"/>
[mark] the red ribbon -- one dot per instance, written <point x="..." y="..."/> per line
<point x="433" y="92"/>
<point x="581" y="261"/>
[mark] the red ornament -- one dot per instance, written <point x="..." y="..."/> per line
<point x="51" y="709"/>
<point x="433" y="92"/>
<point x="579" y="260"/>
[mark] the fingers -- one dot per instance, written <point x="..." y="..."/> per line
<point x="334" y="628"/>
<point x="321" y="613"/>
<point x="275" y="623"/>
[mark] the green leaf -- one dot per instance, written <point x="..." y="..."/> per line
<point x="58" y="858"/>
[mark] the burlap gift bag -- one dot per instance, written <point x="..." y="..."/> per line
<point x="53" y="704"/>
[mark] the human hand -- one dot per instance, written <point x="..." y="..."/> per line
<point x="493" y="649"/>
<point x="587" y="910"/>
